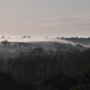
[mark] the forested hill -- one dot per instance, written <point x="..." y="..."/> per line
<point x="57" y="64"/>
<point x="66" y="70"/>
<point x="85" y="41"/>
<point x="12" y="49"/>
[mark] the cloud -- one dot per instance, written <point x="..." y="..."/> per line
<point x="82" y="18"/>
<point x="61" y="18"/>
<point x="85" y="15"/>
<point x="79" y="19"/>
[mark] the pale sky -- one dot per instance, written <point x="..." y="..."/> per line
<point x="45" y="17"/>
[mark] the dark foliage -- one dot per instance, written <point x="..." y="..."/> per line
<point x="7" y="82"/>
<point x="41" y="70"/>
<point x="60" y="81"/>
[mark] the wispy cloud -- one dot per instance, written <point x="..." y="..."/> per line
<point x="85" y="15"/>
<point x="79" y="19"/>
<point x="82" y="18"/>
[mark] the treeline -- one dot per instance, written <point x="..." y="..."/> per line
<point x="41" y="70"/>
<point x="78" y="40"/>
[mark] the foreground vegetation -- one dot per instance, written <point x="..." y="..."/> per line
<point x="41" y="70"/>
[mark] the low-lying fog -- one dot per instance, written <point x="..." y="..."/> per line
<point x="28" y="39"/>
<point x="12" y="45"/>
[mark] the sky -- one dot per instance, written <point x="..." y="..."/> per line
<point x="64" y="18"/>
